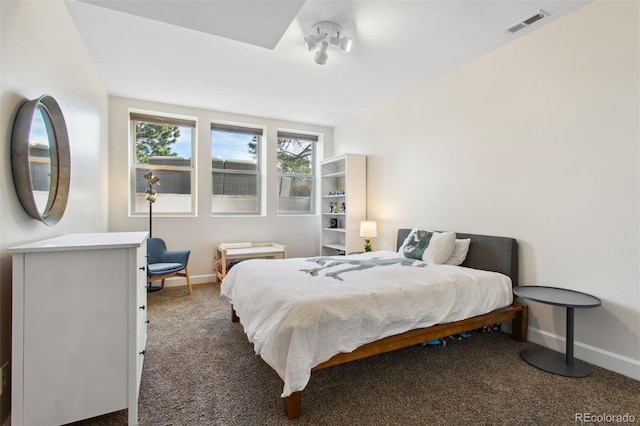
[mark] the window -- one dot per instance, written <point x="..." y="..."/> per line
<point x="235" y="169"/>
<point x="164" y="146"/>
<point x="296" y="175"/>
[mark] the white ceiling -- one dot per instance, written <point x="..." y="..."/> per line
<point x="249" y="57"/>
<point x="261" y="23"/>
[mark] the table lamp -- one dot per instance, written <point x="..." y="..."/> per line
<point x="368" y="230"/>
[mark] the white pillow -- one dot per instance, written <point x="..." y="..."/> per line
<point x="439" y="249"/>
<point x="460" y="250"/>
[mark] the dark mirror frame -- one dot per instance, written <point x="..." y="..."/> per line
<point x="60" y="159"/>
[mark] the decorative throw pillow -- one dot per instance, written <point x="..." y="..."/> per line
<point x="440" y="248"/>
<point x="416" y="244"/>
<point x="460" y="250"/>
<point x="431" y="247"/>
<point x="406" y="240"/>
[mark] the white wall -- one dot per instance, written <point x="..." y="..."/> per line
<point x="201" y="233"/>
<point x="538" y="140"/>
<point x="42" y="53"/>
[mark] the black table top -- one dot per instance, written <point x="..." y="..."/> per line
<point x="557" y="296"/>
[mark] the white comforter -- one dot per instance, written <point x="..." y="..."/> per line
<point x="297" y="318"/>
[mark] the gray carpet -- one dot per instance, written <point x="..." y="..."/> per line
<point x="201" y="370"/>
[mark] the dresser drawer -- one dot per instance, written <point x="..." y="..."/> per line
<point x="141" y="308"/>
<point x="139" y="364"/>
<point x="142" y="337"/>
<point x="141" y="266"/>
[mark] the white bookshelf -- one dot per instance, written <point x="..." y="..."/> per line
<point x="343" y="181"/>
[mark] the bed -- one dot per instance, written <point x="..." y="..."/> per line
<point x="303" y="315"/>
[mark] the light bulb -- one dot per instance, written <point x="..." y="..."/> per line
<point x="321" y="55"/>
<point x="345" y="44"/>
<point x="312" y="41"/>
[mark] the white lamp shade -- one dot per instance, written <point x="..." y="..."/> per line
<point x="368" y="229"/>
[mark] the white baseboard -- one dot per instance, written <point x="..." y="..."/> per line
<point x="602" y="358"/>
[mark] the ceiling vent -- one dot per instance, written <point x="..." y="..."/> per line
<point x="526" y="22"/>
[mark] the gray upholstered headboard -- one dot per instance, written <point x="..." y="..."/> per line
<point x="486" y="252"/>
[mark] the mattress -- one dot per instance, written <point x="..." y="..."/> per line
<point x="300" y="312"/>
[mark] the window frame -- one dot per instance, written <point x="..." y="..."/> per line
<point x="314" y="138"/>
<point x="154" y="117"/>
<point x="240" y="128"/>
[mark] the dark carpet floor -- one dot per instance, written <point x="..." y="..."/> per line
<point x="200" y="370"/>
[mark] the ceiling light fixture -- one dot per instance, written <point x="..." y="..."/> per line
<point x="325" y="34"/>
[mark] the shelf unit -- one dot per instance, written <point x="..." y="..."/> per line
<point x="343" y="183"/>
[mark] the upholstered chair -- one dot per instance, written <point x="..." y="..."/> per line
<point x="163" y="264"/>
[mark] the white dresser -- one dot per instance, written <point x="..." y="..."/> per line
<point x="79" y="327"/>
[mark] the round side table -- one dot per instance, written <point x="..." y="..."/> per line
<point x="551" y="361"/>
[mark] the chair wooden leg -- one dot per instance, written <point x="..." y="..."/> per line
<point x="186" y="273"/>
<point x="180" y="274"/>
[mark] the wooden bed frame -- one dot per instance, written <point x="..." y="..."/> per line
<point x="498" y="254"/>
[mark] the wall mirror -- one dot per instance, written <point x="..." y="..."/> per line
<point x="40" y="159"/>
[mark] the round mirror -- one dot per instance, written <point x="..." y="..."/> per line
<point x="40" y="159"/>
